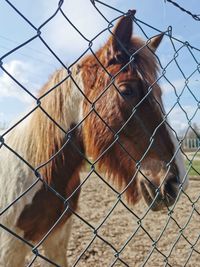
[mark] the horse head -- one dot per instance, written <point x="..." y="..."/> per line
<point x="126" y="131"/>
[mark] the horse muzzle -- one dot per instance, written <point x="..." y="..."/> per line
<point x="160" y="197"/>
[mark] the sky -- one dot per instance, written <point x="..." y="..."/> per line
<point x="32" y="64"/>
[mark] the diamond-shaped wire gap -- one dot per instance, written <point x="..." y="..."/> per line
<point x="184" y="60"/>
<point x="22" y="22"/>
<point x="162" y="241"/>
<point x="180" y="111"/>
<point x="12" y="83"/>
<point x="162" y="245"/>
<point x="114" y="139"/>
<point x="177" y="92"/>
<point x="186" y="101"/>
<point x="33" y="109"/>
<point x="181" y="252"/>
<point x="148" y="224"/>
<point x="88" y="250"/>
<point x="28" y="71"/>
<point x="20" y="26"/>
<point x="139" y="239"/>
<point x="177" y="84"/>
<point x="54" y="42"/>
<point x="38" y="247"/>
<point x="186" y="221"/>
<point x="89" y="242"/>
<point x="22" y="92"/>
<point x="9" y="147"/>
<point x="63" y="15"/>
<point x="195" y="250"/>
<point x="98" y="200"/>
<point x="177" y="52"/>
<point x="157" y="249"/>
<point x="83" y="27"/>
<point x="193" y="161"/>
<point x="17" y="238"/>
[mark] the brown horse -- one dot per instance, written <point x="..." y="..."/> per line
<point x="115" y="95"/>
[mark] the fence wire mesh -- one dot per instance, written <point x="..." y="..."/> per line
<point x="120" y="234"/>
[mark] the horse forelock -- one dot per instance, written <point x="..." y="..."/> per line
<point x="95" y="69"/>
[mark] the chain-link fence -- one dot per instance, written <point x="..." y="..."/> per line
<point x="102" y="118"/>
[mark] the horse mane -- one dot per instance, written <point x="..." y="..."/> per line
<point x="38" y="138"/>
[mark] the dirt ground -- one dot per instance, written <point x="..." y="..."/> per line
<point x="109" y="234"/>
<point x="135" y="237"/>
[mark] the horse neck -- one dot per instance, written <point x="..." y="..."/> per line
<point x="38" y="137"/>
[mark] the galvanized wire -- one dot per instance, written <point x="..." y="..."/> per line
<point x="194" y="16"/>
<point x="92" y="163"/>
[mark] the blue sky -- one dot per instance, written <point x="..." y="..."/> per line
<point x="33" y="64"/>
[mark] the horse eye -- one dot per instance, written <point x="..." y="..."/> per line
<point x="128" y="91"/>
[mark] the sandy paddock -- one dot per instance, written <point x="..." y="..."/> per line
<point x="141" y="237"/>
<point x="135" y="238"/>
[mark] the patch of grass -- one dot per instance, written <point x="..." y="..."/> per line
<point x="194" y="167"/>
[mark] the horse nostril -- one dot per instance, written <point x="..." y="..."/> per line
<point x="170" y="188"/>
<point x="161" y="196"/>
<point x="173" y="179"/>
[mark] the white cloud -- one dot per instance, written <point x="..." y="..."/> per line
<point x="21" y="71"/>
<point x="178" y="84"/>
<point x="178" y="119"/>
<point x="62" y="37"/>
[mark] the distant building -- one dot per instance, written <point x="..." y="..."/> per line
<point x="191" y="144"/>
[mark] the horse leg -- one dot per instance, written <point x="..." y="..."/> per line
<point x="12" y="251"/>
<point x="55" y="246"/>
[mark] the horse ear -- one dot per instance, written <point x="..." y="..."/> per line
<point x="155" y="41"/>
<point x="122" y="32"/>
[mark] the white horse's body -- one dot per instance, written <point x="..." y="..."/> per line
<point x="16" y="177"/>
